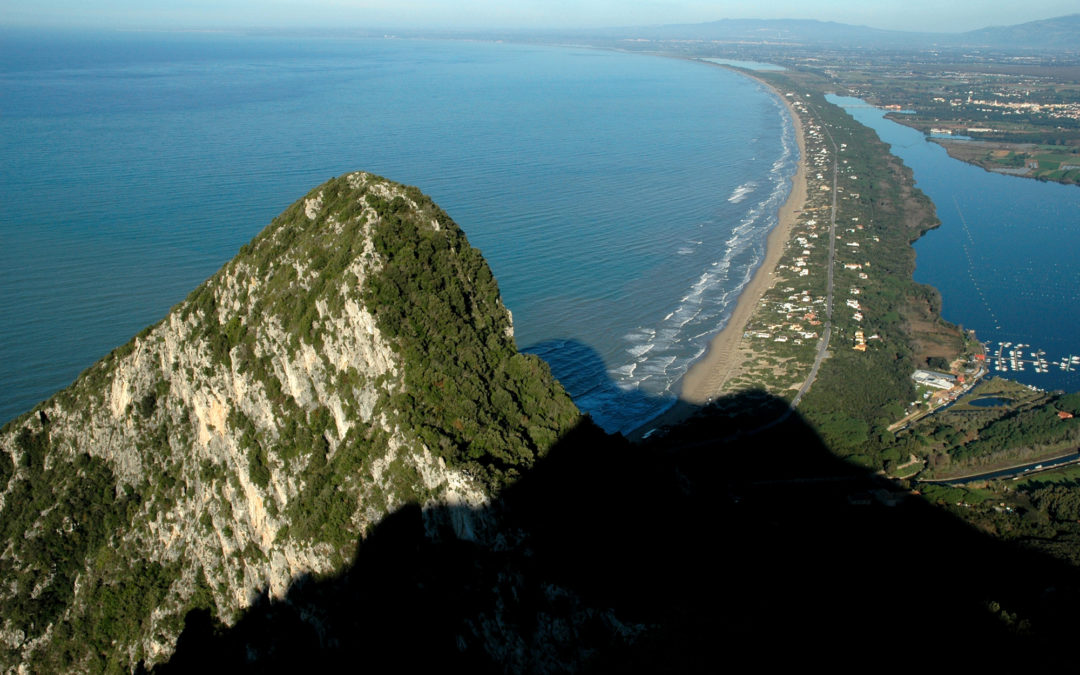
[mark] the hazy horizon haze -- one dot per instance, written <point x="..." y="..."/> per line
<point x="916" y="15"/>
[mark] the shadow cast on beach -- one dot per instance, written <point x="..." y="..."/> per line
<point x="681" y="554"/>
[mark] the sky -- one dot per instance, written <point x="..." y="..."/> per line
<point x="921" y="15"/>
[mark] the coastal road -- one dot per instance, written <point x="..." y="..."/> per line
<point x="826" y="334"/>
<point x="1013" y="471"/>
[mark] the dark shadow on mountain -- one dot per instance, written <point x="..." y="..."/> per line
<point x="703" y="550"/>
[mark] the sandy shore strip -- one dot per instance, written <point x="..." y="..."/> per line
<point x="707" y="376"/>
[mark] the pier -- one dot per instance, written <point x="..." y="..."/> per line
<point x="1010" y="357"/>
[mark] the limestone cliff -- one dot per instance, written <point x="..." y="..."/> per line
<point x="354" y="357"/>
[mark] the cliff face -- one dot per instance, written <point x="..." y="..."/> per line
<point x="354" y="357"/>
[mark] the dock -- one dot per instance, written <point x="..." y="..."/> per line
<point x="1010" y="357"/>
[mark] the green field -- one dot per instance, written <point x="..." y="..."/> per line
<point x="1069" y="475"/>
<point x="1053" y="164"/>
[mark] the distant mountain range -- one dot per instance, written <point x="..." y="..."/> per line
<point x="1058" y="33"/>
<point x="1063" y="31"/>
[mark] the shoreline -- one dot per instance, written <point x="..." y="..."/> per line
<point x="707" y="376"/>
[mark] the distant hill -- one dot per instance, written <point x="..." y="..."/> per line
<point x="1061" y="32"/>
<point x="1058" y="33"/>
<point x="778" y="31"/>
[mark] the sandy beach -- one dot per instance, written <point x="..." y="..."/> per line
<point x="721" y="362"/>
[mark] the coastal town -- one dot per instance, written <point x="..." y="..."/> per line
<point x="832" y="295"/>
<point x="822" y="296"/>
<point x="828" y="237"/>
<point x="1015" y="116"/>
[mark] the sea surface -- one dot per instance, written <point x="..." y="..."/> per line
<point x="622" y="200"/>
<point x="1006" y="257"/>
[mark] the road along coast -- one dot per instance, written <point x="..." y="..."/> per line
<point x="722" y="361"/>
<point x="709" y="374"/>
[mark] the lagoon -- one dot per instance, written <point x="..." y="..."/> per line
<point x="749" y="65"/>
<point x="1006" y="258"/>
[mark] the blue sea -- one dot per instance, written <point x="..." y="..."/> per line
<point x="1006" y="257"/>
<point x="622" y="200"/>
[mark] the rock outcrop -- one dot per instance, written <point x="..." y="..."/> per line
<point x="354" y="357"/>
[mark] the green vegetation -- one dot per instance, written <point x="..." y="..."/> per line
<point x="325" y="508"/>
<point x="1065" y="476"/>
<point x="858" y="394"/>
<point x="468" y="393"/>
<point x="61" y="512"/>
<point x="463" y="393"/>
<point x="948" y="494"/>
<point x="1016" y="115"/>
<point x="1040" y="511"/>
<point x="1040" y="428"/>
<point x="73" y="536"/>
<point x="967" y="438"/>
<point x="1042" y="162"/>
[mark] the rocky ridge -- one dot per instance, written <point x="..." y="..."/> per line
<point x="354" y="357"/>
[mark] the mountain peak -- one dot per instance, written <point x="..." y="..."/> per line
<point x="355" y="356"/>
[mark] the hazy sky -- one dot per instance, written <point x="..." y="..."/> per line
<point x="933" y="15"/>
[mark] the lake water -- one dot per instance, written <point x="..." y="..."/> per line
<point x="621" y="200"/>
<point x="749" y="65"/>
<point x="1006" y="257"/>
<point x="990" y="402"/>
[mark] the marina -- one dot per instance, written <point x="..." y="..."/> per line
<point x="1015" y="357"/>
<point x="1002" y="258"/>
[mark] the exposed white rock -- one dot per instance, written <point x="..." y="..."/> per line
<point x="216" y="517"/>
<point x="312" y="206"/>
